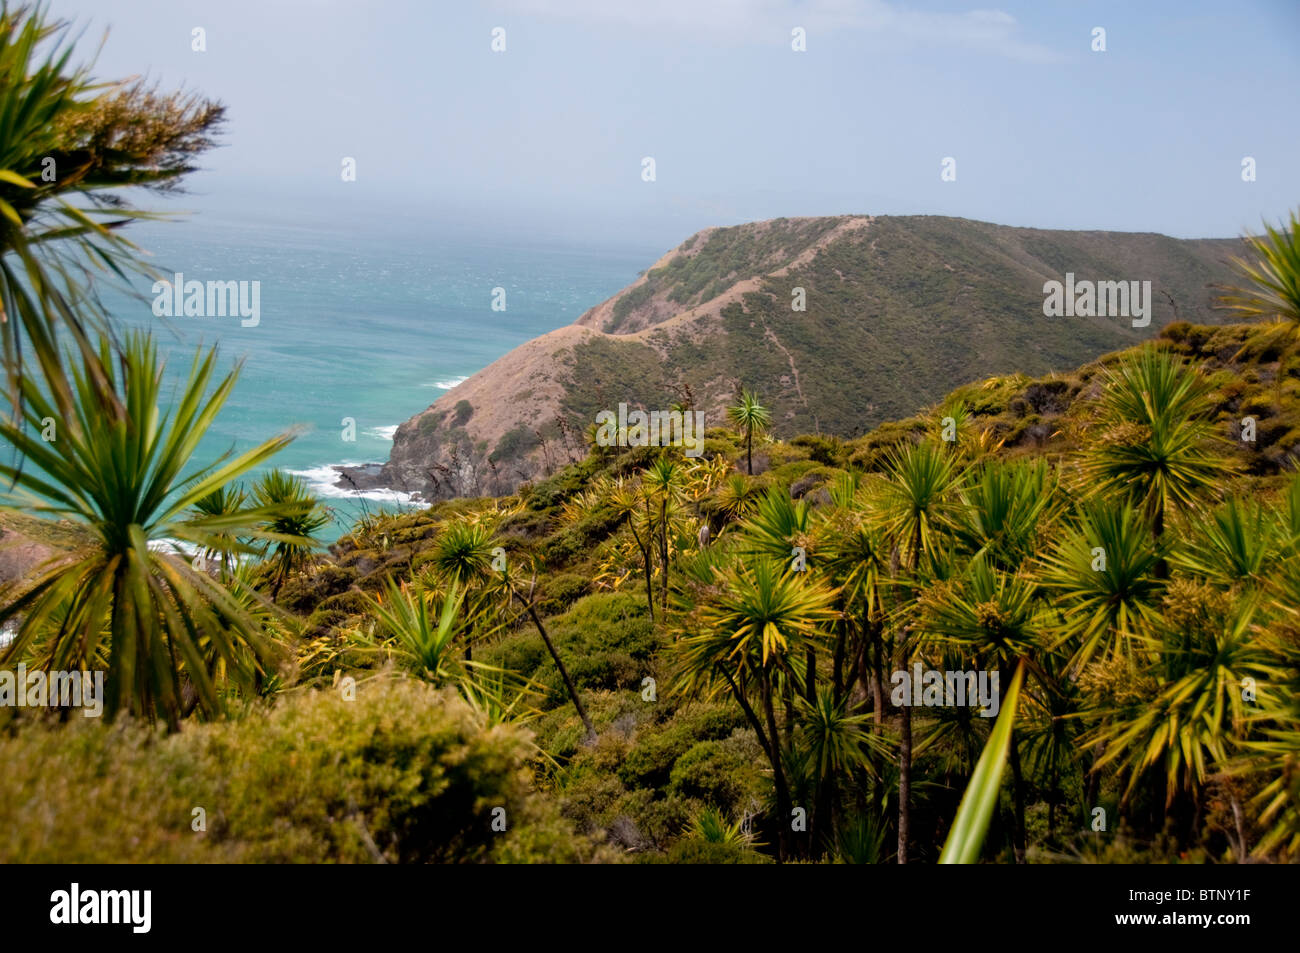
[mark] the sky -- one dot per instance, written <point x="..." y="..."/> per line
<point x="547" y="138"/>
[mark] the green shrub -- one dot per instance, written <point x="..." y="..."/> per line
<point x="561" y="591"/>
<point x="514" y="443"/>
<point x="403" y="773"/>
<point x="814" y="478"/>
<point x="787" y="473"/>
<point x="323" y="622"/>
<point x="352" y="602"/>
<point x="523" y="652"/>
<point x="661" y="821"/>
<point x="829" y="451"/>
<point x="607" y="621"/>
<point x="305" y="591"/>
<point x="529" y="524"/>
<point x="1256" y="405"/>
<point x="722" y="773"/>
<point x="691" y="850"/>
<point x="605" y="639"/>
<point x="650" y="761"/>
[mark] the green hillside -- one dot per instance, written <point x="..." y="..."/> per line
<point x="898" y="310"/>
<point x="896" y="314"/>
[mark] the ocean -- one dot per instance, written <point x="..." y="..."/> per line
<point x="370" y="325"/>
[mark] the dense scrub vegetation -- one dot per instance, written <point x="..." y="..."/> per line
<point x="644" y="656"/>
<point x="974" y="552"/>
<point x="1160" y="689"/>
<point x="400" y="773"/>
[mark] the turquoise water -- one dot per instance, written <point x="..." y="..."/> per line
<point x="369" y="326"/>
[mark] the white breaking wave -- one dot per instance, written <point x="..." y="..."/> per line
<point x="383" y="433"/>
<point x="322" y="480"/>
<point x="169" y="545"/>
<point x="449" y="383"/>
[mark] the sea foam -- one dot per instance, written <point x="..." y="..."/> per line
<point x="323" y="482"/>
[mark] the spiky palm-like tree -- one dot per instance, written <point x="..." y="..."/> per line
<point x="289" y="534"/>
<point x="780" y="529"/>
<point x="857" y="554"/>
<point x="224" y="501"/>
<point x="915" y="502"/>
<point x="1272" y="289"/>
<point x="916" y="497"/>
<point x="121" y="466"/>
<point x="1186" y="731"/>
<point x="1237" y="544"/>
<point x="1004" y="506"/>
<point x="762" y="619"/>
<point x="423" y="639"/>
<point x="777" y="526"/>
<point x="70" y="149"/>
<point x="665" y="482"/>
<point x="737" y="497"/>
<point x="750" y="417"/>
<point x="632" y="502"/>
<point x="1101" y="578"/>
<point x="1274" y="278"/>
<point x="465" y="553"/>
<point x="994" y="614"/>
<point x="1155" y="443"/>
<point x="629" y="499"/>
<point x="837" y="745"/>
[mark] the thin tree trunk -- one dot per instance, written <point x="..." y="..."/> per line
<point x="1093" y="785"/>
<point x="787" y="697"/>
<point x="645" y="559"/>
<point x="877" y="673"/>
<point x="784" y="808"/>
<point x="663" y="554"/>
<point x="1161" y="570"/>
<point x="749" y="450"/>
<point x="564" y="672"/>
<point x="904" y="782"/>
<point x="1053" y="796"/>
<point x="822" y="827"/>
<point x="837" y="663"/>
<point x="861" y="674"/>
<point x="749" y="712"/>
<point x="1018" y="797"/>
<point x="810" y="688"/>
<point x="1159" y="801"/>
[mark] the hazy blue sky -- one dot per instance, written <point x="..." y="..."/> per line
<point x="548" y="137"/>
